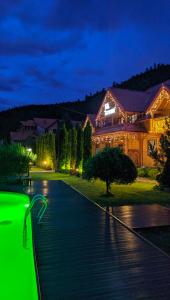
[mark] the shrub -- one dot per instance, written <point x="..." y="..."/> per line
<point x="153" y="173"/>
<point x="148" y="172"/>
<point x="15" y="160"/>
<point x="142" y="172"/>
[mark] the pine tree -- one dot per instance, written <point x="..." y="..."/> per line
<point x="73" y="148"/>
<point x="87" y="144"/>
<point x="63" y="144"/>
<point x="68" y="154"/>
<point x="79" y="157"/>
<point x="46" y="151"/>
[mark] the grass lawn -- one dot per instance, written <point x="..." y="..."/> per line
<point x="136" y="193"/>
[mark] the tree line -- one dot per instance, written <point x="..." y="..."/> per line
<point x="65" y="151"/>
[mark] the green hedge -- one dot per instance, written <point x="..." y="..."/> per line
<point x="148" y="172"/>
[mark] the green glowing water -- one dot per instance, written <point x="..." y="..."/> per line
<point x="17" y="269"/>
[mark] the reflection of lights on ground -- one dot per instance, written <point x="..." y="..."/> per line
<point x="45" y="183"/>
<point x="45" y="187"/>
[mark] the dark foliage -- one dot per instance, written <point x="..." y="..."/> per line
<point x="161" y="156"/>
<point x="62" y="148"/>
<point x="87" y="147"/>
<point x="152" y="76"/>
<point x="79" y="157"/>
<point x="73" y="148"/>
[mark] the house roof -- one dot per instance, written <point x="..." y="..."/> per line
<point x="136" y="101"/>
<point x="44" y="122"/>
<point x="120" y="127"/>
<point x="28" y="123"/>
<point x="20" y="135"/>
<point x="92" y="119"/>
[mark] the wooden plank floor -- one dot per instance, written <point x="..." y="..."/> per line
<point x="83" y="253"/>
<point x="142" y="216"/>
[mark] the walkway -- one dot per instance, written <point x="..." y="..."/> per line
<point x="83" y="253"/>
<point x="142" y="216"/>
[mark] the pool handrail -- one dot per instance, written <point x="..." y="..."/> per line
<point x="38" y="197"/>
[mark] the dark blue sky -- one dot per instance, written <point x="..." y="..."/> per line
<point x="59" y="50"/>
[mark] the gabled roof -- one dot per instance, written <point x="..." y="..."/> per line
<point x="28" y="123"/>
<point x="137" y="101"/>
<point x="44" y="123"/>
<point x="133" y="101"/>
<point x="92" y="118"/>
<point x="153" y="92"/>
<point x="20" y="135"/>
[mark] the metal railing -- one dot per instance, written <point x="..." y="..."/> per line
<point x="39" y="216"/>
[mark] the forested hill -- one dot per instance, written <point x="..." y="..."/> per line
<point x="152" y="76"/>
<point x="77" y="110"/>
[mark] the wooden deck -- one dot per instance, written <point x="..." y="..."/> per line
<point x="142" y="216"/>
<point x="83" y="253"/>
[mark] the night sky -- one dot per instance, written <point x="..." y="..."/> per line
<point x="60" y="50"/>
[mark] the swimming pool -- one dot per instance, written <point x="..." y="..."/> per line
<point x="17" y="266"/>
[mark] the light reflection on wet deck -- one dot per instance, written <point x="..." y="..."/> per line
<point x="142" y="216"/>
<point x="83" y="253"/>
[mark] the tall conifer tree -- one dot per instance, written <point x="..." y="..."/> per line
<point x="87" y="143"/>
<point x="62" y="146"/>
<point x="79" y="157"/>
<point x="73" y="147"/>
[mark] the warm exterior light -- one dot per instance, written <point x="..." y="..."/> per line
<point x="108" y="110"/>
<point x="45" y="162"/>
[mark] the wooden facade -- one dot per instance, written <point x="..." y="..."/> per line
<point x="131" y="120"/>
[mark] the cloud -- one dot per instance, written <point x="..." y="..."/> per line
<point x="17" y="38"/>
<point x="109" y="14"/>
<point x="36" y="46"/>
<point x="48" y="77"/>
<point x="10" y="84"/>
<point x="89" y="72"/>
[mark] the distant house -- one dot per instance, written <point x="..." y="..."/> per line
<point x="30" y="129"/>
<point x="131" y="120"/>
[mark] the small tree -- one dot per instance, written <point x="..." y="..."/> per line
<point x="111" y="165"/>
<point x="161" y="156"/>
<point x="87" y="143"/>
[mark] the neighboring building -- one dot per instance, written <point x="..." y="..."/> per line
<point x="30" y="129"/>
<point x="131" y="120"/>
